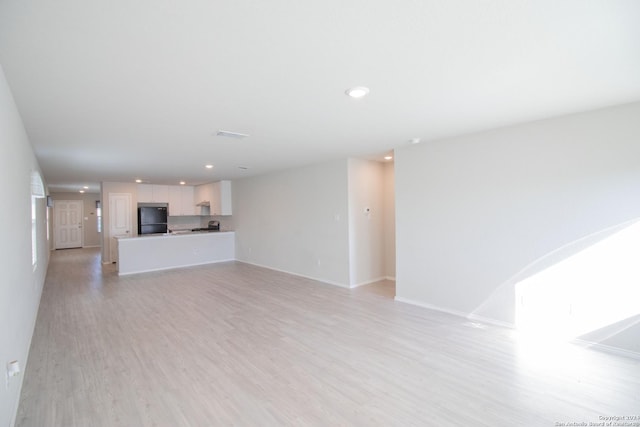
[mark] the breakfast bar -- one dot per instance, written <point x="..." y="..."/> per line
<point x="173" y="250"/>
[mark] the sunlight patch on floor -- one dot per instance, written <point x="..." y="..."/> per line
<point x="594" y="288"/>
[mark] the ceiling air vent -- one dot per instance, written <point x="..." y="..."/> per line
<point x="230" y="134"/>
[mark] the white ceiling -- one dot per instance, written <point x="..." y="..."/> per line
<point x="117" y="90"/>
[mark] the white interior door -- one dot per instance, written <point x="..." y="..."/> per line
<point x="68" y="223"/>
<point x="119" y="219"/>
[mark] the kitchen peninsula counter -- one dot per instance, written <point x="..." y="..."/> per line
<point x="140" y="254"/>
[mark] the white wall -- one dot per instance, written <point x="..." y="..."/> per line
<point x="473" y="211"/>
<point x="389" y="221"/>
<point x="295" y="221"/>
<point x="21" y="287"/>
<point x="366" y="229"/>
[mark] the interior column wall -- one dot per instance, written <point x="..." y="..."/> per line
<point x="295" y="221"/>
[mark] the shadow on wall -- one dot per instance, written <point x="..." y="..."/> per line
<point x="586" y="289"/>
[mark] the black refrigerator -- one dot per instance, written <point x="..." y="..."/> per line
<point x="152" y="220"/>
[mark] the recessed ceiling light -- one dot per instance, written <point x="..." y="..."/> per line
<point x="388" y="157"/>
<point x="230" y="134"/>
<point x="208" y="166"/>
<point x="415" y="140"/>
<point x="138" y="181"/>
<point x="82" y="191"/>
<point x="85" y="187"/>
<point x="357" y="92"/>
<point x="182" y="183"/>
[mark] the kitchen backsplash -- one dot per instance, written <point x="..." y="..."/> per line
<point x="189" y="222"/>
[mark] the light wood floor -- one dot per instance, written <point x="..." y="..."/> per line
<point x="234" y="344"/>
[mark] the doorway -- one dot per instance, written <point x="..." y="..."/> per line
<point x="371" y="201"/>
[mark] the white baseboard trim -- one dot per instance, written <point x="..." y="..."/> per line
<point x="430" y="306"/>
<point x="368" y="282"/>
<point x="490" y="321"/>
<point x="457" y="313"/>
<point x="617" y="351"/>
<point x="392" y="278"/>
<point x="583" y="343"/>
<point x="92" y="246"/>
<point x="328" y="282"/>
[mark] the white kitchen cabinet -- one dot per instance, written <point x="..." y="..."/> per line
<point x="150" y="193"/>
<point x="145" y="193"/>
<point x="161" y="193"/>
<point x="188" y="207"/>
<point x="203" y="193"/>
<point x="175" y="200"/>
<point x="218" y="196"/>
<point x="221" y="202"/>
<point x="181" y="200"/>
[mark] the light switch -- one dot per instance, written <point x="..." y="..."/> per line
<point x="13" y="368"/>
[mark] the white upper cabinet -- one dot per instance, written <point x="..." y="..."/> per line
<point x="161" y="193"/>
<point x="225" y="198"/>
<point x="203" y="193"/>
<point x="222" y="197"/>
<point x="213" y="198"/>
<point x="218" y="194"/>
<point x="188" y="206"/>
<point x="145" y="193"/>
<point x="181" y="200"/>
<point x="175" y="201"/>
<point x="148" y="193"/>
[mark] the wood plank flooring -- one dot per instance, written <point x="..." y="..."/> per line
<point x="234" y="344"/>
